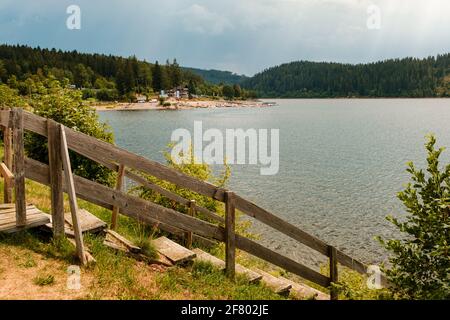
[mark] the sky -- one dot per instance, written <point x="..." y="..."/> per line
<point x="243" y="36"/>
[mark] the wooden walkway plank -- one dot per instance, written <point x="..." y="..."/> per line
<point x="35" y="218"/>
<point x="251" y="275"/>
<point x="128" y="244"/>
<point x="88" y="221"/>
<point x="278" y="285"/>
<point x="173" y="251"/>
<point x="302" y="291"/>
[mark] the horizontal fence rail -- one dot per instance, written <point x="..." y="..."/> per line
<point x="167" y="219"/>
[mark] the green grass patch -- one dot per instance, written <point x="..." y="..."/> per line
<point x="44" y="280"/>
<point x="208" y="282"/>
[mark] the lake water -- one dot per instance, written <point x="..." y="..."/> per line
<point x="341" y="162"/>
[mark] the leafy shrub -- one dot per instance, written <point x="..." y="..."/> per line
<point x="420" y="260"/>
<point x="9" y="98"/>
<point x="66" y="106"/>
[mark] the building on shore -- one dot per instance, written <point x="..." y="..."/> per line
<point x="179" y="92"/>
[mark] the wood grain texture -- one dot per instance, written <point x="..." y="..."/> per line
<point x="19" y="170"/>
<point x="8" y="161"/>
<point x="70" y="188"/>
<point x="56" y="177"/>
<point x="173" y="251"/>
<point x="230" y="235"/>
<point x="333" y="272"/>
<point x="119" y="185"/>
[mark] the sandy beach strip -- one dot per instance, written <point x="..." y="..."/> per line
<point x="180" y="105"/>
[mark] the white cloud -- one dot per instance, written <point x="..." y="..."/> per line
<point x="198" y="19"/>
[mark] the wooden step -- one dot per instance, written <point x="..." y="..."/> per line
<point x="278" y="285"/>
<point x="113" y="236"/>
<point x="251" y="275"/>
<point x="173" y="251"/>
<point x="35" y="218"/>
<point x="303" y="291"/>
<point x="88" y="223"/>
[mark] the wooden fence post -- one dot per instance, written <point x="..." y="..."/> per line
<point x="188" y="235"/>
<point x="333" y="272"/>
<point x="70" y="188"/>
<point x="19" y="167"/>
<point x="8" y="161"/>
<point x="230" y="236"/>
<point x="56" y="177"/>
<point x="119" y="185"/>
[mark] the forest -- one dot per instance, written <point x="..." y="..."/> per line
<point x="109" y="78"/>
<point x="105" y="77"/>
<point x="408" y="77"/>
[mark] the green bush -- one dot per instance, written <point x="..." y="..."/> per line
<point x="9" y="98"/>
<point x="66" y="106"/>
<point x="420" y="260"/>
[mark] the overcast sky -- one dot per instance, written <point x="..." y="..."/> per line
<point x="244" y="36"/>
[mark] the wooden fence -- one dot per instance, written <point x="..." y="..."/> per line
<point x="130" y="165"/>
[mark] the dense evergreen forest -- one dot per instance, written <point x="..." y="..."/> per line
<point x="109" y="78"/>
<point x="407" y="77"/>
<point x="218" y="77"/>
<point x="100" y="76"/>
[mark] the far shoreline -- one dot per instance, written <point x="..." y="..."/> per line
<point x="180" y="105"/>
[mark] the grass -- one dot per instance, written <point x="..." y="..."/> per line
<point x="116" y="276"/>
<point x="44" y="280"/>
<point x="208" y="282"/>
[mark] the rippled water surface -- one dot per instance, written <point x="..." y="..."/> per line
<point x="341" y="161"/>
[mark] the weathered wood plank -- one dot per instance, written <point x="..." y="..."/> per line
<point x="88" y="222"/>
<point x="56" y="177"/>
<point x="8" y="161"/>
<point x="5" y="117"/>
<point x="303" y="291"/>
<point x="279" y="224"/>
<point x="278" y="285"/>
<point x="189" y="234"/>
<point x="19" y="170"/>
<point x="333" y="273"/>
<point x="70" y="186"/>
<point x="6" y="173"/>
<point x="172" y="196"/>
<point x="251" y="275"/>
<point x="35" y="218"/>
<point x="119" y="184"/>
<point x="230" y="235"/>
<point x="281" y="261"/>
<point x="173" y="251"/>
<point x="128" y="244"/>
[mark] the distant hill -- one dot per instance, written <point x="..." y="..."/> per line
<point x="217" y="76"/>
<point x="408" y="77"/>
